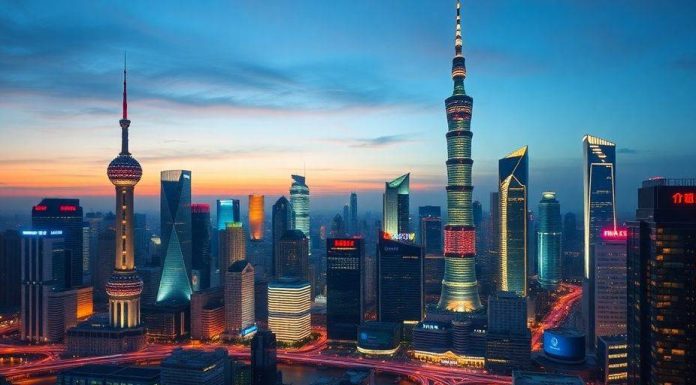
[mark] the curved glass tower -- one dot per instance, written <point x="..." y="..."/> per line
<point x="549" y="238"/>
<point x="459" y="286"/>
<point x="299" y="197"/>
<point x="124" y="286"/>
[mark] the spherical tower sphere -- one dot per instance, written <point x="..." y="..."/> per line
<point x="124" y="285"/>
<point x="124" y="170"/>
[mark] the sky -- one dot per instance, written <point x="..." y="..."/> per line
<point x="243" y="93"/>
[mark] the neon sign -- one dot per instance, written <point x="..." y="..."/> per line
<point x="409" y="237"/>
<point x="67" y="208"/>
<point x="344" y="243"/>
<point x="684" y="198"/>
<point x="40" y="208"/>
<point x="615" y="234"/>
<point x="42" y="232"/>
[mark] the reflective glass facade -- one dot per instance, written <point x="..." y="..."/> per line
<point x="549" y="238"/>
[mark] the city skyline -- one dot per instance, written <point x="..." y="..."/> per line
<point x="302" y="87"/>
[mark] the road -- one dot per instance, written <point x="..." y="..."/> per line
<point x="311" y="354"/>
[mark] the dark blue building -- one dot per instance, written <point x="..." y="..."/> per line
<point x="345" y="258"/>
<point x="399" y="281"/>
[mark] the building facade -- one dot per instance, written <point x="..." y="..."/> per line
<point x="513" y="172"/>
<point x="508" y="339"/>
<point x="194" y="367"/>
<point x="10" y="270"/>
<point x="292" y="255"/>
<point x="289" y="305"/>
<point x="281" y="222"/>
<point x="232" y="247"/>
<point x="299" y="197"/>
<point x="264" y="366"/>
<point x="609" y="286"/>
<point x="256" y="217"/>
<point x="63" y="215"/>
<point x="200" y="246"/>
<point x="662" y="283"/>
<point x="207" y="314"/>
<point x="240" y="318"/>
<point x="345" y="258"/>
<point x="395" y="209"/>
<point x="175" y="214"/>
<point x="549" y="242"/>
<point x="399" y="281"/>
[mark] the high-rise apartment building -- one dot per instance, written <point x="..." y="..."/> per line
<point x="395" y="209"/>
<point x="256" y="217"/>
<point x="459" y="286"/>
<point x="200" y="246"/>
<point x="513" y="188"/>
<point x="281" y="222"/>
<point x="239" y="300"/>
<point x="299" y="197"/>
<point x="289" y="306"/>
<point x="345" y="258"/>
<point x="662" y="284"/>
<point x="63" y="215"/>
<point x="175" y="214"/>
<point x="549" y="242"/>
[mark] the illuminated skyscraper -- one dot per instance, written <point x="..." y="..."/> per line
<point x="64" y="215"/>
<point x="289" y="305"/>
<point x="459" y="287"/>
<point x="399" y="281"/>
<point x="513" y="178"/>
<point x="609" y="286"/>
<point x="345" y="258"/>
<point x="256" y="217"/>
<point x="292" y="259"/>
<point x="239" y="300"/>
<point x="227" y="211"/>
<point x="662" y="284"/>
<point x="599" y="171"/>
<point x="232" y="247"/>
<point x="175" y="214"/>
<point x="281" y="221"/>
<point x="395" y="209"/>
<point x="200" y="246"/>
<point x="549" y="237"/>
<point x="299" y="197"/>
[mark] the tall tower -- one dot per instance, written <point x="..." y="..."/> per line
<point x="459" y="287"/>
<point x="124" y="286"/>
<point x="299" y="197"/>
<point x="513" y="175"/>
<point x="395" y="210"/>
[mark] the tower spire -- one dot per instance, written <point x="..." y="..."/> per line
<point x="458" y="32"/>
<point x="124" y="122"/>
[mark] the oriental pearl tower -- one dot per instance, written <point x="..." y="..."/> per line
<point x="124" y="286"/>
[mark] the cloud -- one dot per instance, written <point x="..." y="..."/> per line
<point x="380" y="141"/>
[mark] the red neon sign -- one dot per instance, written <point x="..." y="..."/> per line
<point x="460" y="241"/>
<point x="40" y="208"/>
<point x="684" y="198"/>
<point x="615" y="234"/>
<point x="344" y="243"/>
<point x="67" y="208"/>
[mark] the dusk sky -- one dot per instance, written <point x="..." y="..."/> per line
<point x="246" y="92"/>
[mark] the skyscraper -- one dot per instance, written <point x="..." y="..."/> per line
<point x="345" y="258"/>
<point x="256" y="217"/>
<point x="599" y="176"/>
<point x="232" y="247"/>
<point x="281" y="221"/>
<point x="200" y="246"/>
<point x="239" y="300"/>
<point x="662" y="283"/>
<point x="289" y="306"/>
<point x="513" y="187"/>
<point x="508" y="340"/>
<point x="10" y="269"/>
<point x="549" y="237"/>
<point x="227" y="211"/>
<point x="292" y="259"/>
<point x="264" y="369"/>
<point x="175" y="214"/>
<point x="299" y="197"/>
<point x="395" y="210"/>
<point x="609" y="286"/>
<point x="459" y="287"/>
<point x="64" y="215"/>
<point x="41" y="259"/>
<point x="353" y="221"/>
<point x="430" y="229"/>
<point x="399" y="281"/>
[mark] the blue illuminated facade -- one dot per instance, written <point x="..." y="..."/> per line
<point x="227" y="211"/>
<point x="549" y="237"/>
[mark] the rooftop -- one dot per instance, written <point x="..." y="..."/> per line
<point x="194" y="359"/>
